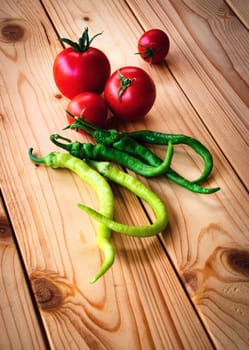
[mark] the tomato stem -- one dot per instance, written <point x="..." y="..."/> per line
<point x="124" y="83"/>
<point x="148" y="53"/>
<point x="83" y="43"/>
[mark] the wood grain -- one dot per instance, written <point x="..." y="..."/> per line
<point x="209" y="59"/>
<point x="202" y="245"/>
<point x="241" y="9"/>
<point x="19" y="327"/>
<point x="185" y="248"/>
<point x="140" y="303"/>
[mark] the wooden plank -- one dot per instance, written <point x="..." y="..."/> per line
<point x="19" y="327"/>
<point x="204" y="247"/>
<point x="180" y="242"/>
<point x="209" y="59"/>
<point x="140" y="302"/>
<point x="133" y="281"/>
<point x="241" y="9"/>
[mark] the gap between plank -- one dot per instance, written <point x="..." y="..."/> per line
<point x="192" y="106"/>
<point x="26" y="277"/>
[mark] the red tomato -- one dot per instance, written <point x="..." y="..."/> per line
<point x="81" y="68"/>
<point x="90" y="106"/>
<point x="130" y="93"/>
<point x="153" y="46"/>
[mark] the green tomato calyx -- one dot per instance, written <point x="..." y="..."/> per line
<point x="124" y="83"/>
<point x="148" y="54"/>
<point x="83" y="43"/>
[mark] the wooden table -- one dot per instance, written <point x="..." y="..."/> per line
<point x="187" y="288"/>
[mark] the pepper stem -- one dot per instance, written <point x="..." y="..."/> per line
<point x="82" y="124"/>
<point x="56" y="137"/>
<point x="36" y="159"/>
<point x="100" y="135"/>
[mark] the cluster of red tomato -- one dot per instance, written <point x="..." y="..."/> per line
<point x="82" y="73"/>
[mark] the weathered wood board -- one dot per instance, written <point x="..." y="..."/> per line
<point x="188" y="287"/>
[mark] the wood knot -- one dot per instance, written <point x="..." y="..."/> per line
<point x="47" y="293"/>
<point x="5" y="233"/>
<point x="191" y="280"/>
<point x="12" y="31"/>
<point x="59" y="96"/>
<point x="238" y="260"/>
<point x="5" y="230"/>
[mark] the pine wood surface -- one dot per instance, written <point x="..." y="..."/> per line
<point x="209" y="50"/>
<point x="187" y="288"/>
<point x="20" y="328"/>
<point x="241" y="9"/>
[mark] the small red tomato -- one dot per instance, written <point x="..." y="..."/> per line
<point x="130" y="93"/>
<point x="81" y="68"/>
<point x="89" y="106"/>
<point x="153" y="46"/>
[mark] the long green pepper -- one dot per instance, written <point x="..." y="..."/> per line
<point x="110" y="137"/>
<point x="127" y="142"/>
<point x="103" y="190"/>
<point x="102" y="152"/>
<point x="138" y="188"/>
<point x="158" y="138"/>
<point x="133" y="147"/>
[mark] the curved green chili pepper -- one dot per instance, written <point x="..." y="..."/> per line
<point x="108" y="137"/>
<point x="133" y="147"/>
<point x="103" y="190"/>
<point x="158" y="138"/>
<point x="102" y="152"/>
<point x="103" y="136"/>
<point x="120" y="141"/>
<point x="134" y="185"/>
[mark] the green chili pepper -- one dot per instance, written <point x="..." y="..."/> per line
<point x="103" y="136"/>
<point x="108" y="137"/>
<point x="158" y="138"/>
<point x="133" y="147"/>
<point x="103" y="190"/>
<point x="114" y="138"/>
<point x="138" y="188"/>
<point x="97" y="181"/>
<point x="102" y="152"/>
